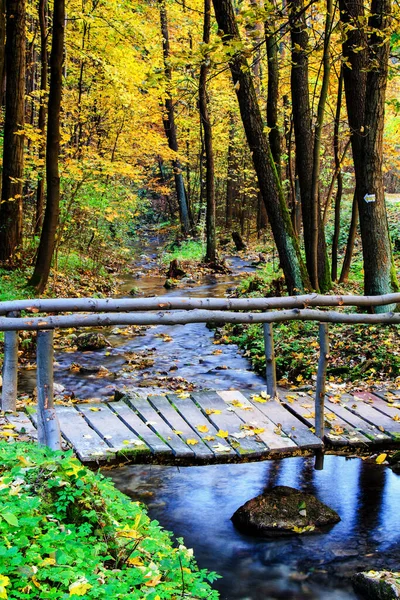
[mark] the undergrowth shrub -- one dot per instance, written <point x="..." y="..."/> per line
<point x="357" y="352"/>
<point x="68" y="532"/>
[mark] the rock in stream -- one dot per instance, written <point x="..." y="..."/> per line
<point x="283" y="510"/>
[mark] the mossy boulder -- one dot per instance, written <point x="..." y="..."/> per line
<point x="92" y="341"/>
<point x="377" y="585"/>
<point x="281" y="511"/>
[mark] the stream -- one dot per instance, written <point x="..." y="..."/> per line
<point x="196" y="503"/>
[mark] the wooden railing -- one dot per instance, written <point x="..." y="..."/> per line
<point x="167" y="310"/>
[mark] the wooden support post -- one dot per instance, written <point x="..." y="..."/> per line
<point x="47" y="422"/>
<point x="10" y="368"/>
<point x="270" y="359"/>
<point x="321" y="379"/>
<point x="319" y="460"/>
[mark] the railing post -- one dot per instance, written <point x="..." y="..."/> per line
<point x="10" y="369"/>
<point x="270" y="359"/>
<point x="321" y="379"/>
<point x="47" y="422"/>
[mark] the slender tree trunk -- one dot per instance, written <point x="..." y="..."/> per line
<point x="2" y="50"/>
<point x="365" y="76"/>
<point x="273" y="94"/>
<point x="320" y="258"/>
<point x="170" y="127"/>
<point x="278" y="215"/>
<point x="336" y="232"/>
<point x="211" y="253"/>
<point x="351" y="238"/>
<point x="317" y="264"/>
<point x="42" y="111"/>
<point x="13" y="145"/>
<point x="50" y="222"/>
<point x="231" y="174"/>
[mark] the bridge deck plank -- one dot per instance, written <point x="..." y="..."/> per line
<point x="290" y="425"/>
<point x="178" y="424"/>
<point x="196" y="418"/>
<point x="228" y="423"/>
<point x="156" y="429"/>
<point x="374" y="435"/>
<point x="337" y="431"/>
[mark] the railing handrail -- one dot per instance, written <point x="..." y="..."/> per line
<point x="167" y="310"/>
<point x="191" y="303"/>
<point x="179" y="317"/>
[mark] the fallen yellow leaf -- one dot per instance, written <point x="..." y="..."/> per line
<point x="79" y="588"/>
<point x="153" y="582"/>
<point x="202" y="428"/>
<point x="222" y="434"/>
<point x="191" y="442"/>
<point x="213" y="411"/>
<point x="381" y="458"/>
<point x="135" y="561"/>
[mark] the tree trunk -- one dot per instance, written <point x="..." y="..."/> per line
<point x="211" y="254"/>
<point x="169" y="125"/>
<point x="231" y="175"/>
<point x="316" y="256"/>
<point x="273" y="94"/>
<point x="320" y="258"/>
<point x="2" y="50"/>
<point x="13" y="145"/>
<point x="338" y="199"/>
<point x="49" y="230"/>
<point x="42" y="112"/>
<point x="278" y="215"/>
<point x="365" y="75"/>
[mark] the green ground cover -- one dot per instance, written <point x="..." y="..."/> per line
<point x="67" y="532"/>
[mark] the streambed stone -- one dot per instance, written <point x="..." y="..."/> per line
<point x="92" y="341"/>
<point x="377" y="585"/>
<point x="281" y="511"/>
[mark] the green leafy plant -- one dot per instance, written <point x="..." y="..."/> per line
<point x="68" y="532"/>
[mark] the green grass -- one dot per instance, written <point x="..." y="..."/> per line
<point x="68" y="532"/>
<point x="13" y="285"/>
<point x="72" y="262"/>
<point x="193" y="250"/>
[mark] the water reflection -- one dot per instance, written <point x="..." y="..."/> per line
<point x="197" y="503"/>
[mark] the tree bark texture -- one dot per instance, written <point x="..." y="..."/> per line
<point x="315" y="247"/>
<point x="211" y="253"/>
<point x="339" y="191"/>
<point x="274" y="201"/>
<point x="13" y="148"/>
<point x="42" y="111"/>
<point x="50" y="222"/>
<point x="2" y="50"/>
<point x="273" y="94"/>
<point x="365" y="76"/>
<point x="169" y="124"/>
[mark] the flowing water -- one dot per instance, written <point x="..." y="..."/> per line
<point x="197" y="502"/>
<point x="159" y="355"/>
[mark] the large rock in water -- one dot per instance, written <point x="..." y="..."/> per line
<point x="377" y="585"/>
<point x="92" y="341"/>
<point x="281" y="511"/>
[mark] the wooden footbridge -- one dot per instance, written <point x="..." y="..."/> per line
<point x="200" y="427"/>
<point x="228" y="426"/>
